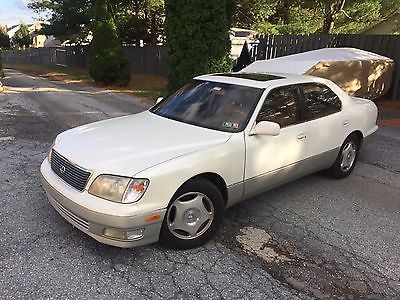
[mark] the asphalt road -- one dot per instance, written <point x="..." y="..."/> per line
<point x="313" y="238"/>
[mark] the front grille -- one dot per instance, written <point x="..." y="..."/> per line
<point x="73" y="175"/>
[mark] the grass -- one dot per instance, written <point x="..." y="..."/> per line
<point x="146" y="87"/>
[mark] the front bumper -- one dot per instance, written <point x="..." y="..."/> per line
<point x="95" y="224"/>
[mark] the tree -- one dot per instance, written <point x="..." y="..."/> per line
<point x="68" y="19"/>
<point x="198" y="42"/>
<point x="72" y="19"/>
<point x="231" y="9"/>
<point x="330" y="10"/>
<point x="22" y="38"/>
<point x="357" y="16"/>
<point x="311" y="16"/>
<point x="4" y="39"/>
<point x="138" y="20"/>
<point x="250" y="13"/>
<point x="107" y="62"/>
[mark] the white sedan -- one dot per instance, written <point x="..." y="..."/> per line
<point x="168" y="174"/>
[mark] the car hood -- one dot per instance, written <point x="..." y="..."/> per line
<point x="130" y="144"/>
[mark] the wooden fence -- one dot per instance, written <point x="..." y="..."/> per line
<point x="272" y="46"/>
<point x="151" y="59"/>
<point x="146" y="60"/>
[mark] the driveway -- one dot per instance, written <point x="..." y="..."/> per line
<point x="313" y="238"/>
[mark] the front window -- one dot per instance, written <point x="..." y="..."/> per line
<point x="221" y="106"/>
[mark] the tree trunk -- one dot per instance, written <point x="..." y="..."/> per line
<point x="331" y="11"/>
<point x="328" y="24"/>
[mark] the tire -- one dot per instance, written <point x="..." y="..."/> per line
<point x="347" y="157"/>
<point x="193" y="216"/>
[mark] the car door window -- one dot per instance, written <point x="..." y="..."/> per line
<point x="320" y="101"/>
<point x="281" y="106"/>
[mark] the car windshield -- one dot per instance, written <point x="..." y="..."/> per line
<point x="221" y="106"/>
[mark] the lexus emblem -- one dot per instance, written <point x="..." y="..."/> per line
<point x="62" y="169"/>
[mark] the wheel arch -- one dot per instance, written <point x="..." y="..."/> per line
<point x="359" y="135"/>
<point x="215" y="179"/>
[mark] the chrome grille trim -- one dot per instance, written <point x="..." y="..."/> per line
<point x="72" y="216"/>
<point x="74" y="175"/>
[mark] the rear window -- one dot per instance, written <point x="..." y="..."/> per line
<point x="320" y="101"/>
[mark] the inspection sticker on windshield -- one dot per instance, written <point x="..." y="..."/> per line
<point x="231" y="125"/>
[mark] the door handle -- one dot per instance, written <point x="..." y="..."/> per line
<point x="301" y="137"/>
<point x="346" y="123"/>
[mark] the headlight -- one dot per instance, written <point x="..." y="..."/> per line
<point x="118" y="189"/>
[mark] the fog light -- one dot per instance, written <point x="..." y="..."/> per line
<point x="124" y="235"/>
<point x="135" y="234"/>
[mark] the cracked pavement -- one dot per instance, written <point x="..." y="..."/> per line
<point x="312" y="238"/>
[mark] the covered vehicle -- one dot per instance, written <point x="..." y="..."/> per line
<point x="360" y="73"/>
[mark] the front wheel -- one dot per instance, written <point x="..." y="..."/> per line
<point x="193" y="216"/>
<point x="347" y="157"/>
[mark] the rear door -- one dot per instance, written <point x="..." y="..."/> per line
<point x="272" y="160"/>
<point x="326" y="122"/>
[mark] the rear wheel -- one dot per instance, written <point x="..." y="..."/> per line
<point x="347" y="157"/>
<point x="193" y="215"/>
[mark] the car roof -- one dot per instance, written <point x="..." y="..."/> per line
<point x="259" y="80"/>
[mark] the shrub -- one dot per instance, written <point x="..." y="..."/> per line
<point x="197" y="39"/>
<point x="107" y="61"/>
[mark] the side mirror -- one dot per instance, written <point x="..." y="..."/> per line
<point x="159" y="99"/>
<point x="266" y="128"/>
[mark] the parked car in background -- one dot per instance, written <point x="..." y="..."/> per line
<point x="168" y="174"/>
